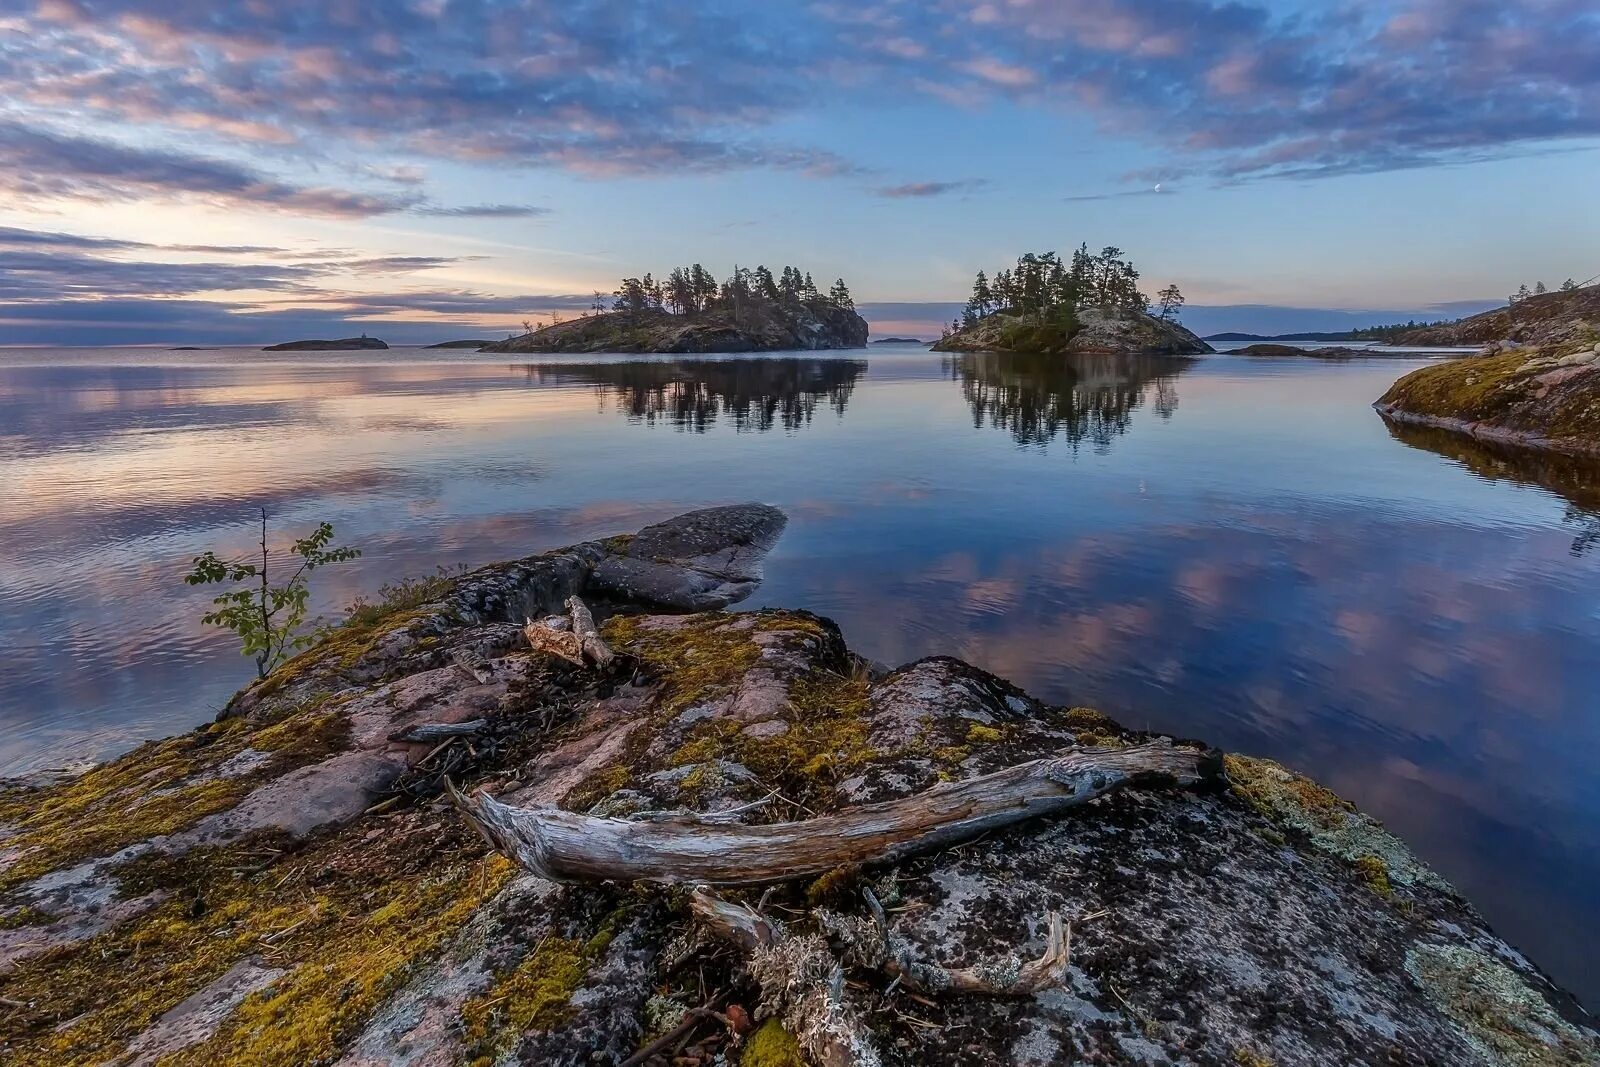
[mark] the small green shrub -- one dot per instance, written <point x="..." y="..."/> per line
<point x="266" y="617"/>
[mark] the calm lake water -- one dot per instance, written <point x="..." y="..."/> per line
<point x="1232" y="549"/>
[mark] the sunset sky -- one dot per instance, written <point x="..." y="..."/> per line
<point x="193" y="171"/>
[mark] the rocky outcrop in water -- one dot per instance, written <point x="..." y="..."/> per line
<point x="1290" y="351"/>
<point x="1546" y="398"/>
<point x="1090" y="330"/>
<point x="290" y="884"/>
<point x="345" y="344"/>
<point x="768" y="327"/>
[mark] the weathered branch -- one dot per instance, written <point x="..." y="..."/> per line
<point x="427" y="733"/>
<point x="594" y="648"/>
<point x="567" y="846"/>
<point x="573" y="637"/>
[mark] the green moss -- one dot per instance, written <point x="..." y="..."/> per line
<point x="1331" y="823"/>
<point x="1278" y="793"/>
<point x="1086" y="719"/>
<point x="771" y="1046"/>
<point x="597" y="787"/>
<point x="697" y="661"/>
<point x="1508" y="1021"/>
<point x="1246" y="1057"/>
<point x="536" y="994"/>
<point x="25" y="916"/>
<point x="1492" y="389"/>
<point x="346" y="918"/>
<point x="979" y="734"/>
<point x="826" y="735"/>
<point x="158" y="788"/>
<point x="338" y="648"/>
<point x="1470" y="389"/>
<point x="1375" y="873"/>
<point x="831" y="887"/>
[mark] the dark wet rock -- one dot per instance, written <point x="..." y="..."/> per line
<point x="249" y="893"/>
<point x="344" y="344"/>
<point x="708" y="559"/>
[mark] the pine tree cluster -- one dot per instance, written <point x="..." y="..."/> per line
<point x="693" y="291"/>
<point x="1040" y="283"/>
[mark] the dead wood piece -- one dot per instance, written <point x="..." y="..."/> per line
<point x="575" y="638"/>
<point x="427" y="733"/>
<point x="568" y="846"/>
<point x="594" y="649"/>
<point x="560" y="643"/>
<point x="801" y="982"/>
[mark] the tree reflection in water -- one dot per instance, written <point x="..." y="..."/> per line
<point x="1575" y="479"/>
<point x="1076" y="397"/>
<point x="691" y="394"/>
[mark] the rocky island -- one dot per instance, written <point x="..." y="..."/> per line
<point x="752" y="311"/>
<point x="1043" y="306"/>
<point x="1291" y="351"/>
<point x="571" y="811"/>
<point x="344" y="344"/>
<point x="1545" y="397"/>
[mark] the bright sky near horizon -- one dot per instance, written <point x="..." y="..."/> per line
<point x="187" y="171"/>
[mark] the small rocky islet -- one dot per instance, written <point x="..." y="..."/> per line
<point x="293" y="883"/>
<point x="343" y="344"/>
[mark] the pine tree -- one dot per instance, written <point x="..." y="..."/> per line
<point x="1171" y="302"/>
<point x="1539" y="289"/>
<point x="840" y="297"/>
<point x="982" y="300"/>
<point x="765" y="287"/>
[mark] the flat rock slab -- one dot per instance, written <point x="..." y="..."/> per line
<point x="696" y="562"/>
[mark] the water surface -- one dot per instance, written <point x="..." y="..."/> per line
<point x="1225" y="548"/>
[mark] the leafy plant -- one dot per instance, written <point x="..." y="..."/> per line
<point x="267" y="617"/>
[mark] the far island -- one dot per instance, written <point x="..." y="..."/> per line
<point x="751" y="311"/>
<point x="344" y="344"/>
<point x="470" y="342"/>
<point x="1046" y="307"/>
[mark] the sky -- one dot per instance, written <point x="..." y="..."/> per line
<point x="194" y="172"/>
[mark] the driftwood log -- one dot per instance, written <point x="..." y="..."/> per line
<point x="568" y="846"/>
<point x="574" y="636"/>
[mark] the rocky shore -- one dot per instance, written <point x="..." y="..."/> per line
<point x="294" y="884"/>
<point x="774" y="327"/>
<point x="1535" y="397"/>
<point x="1558" y="319"/>
<point x="1091" y="330"/>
